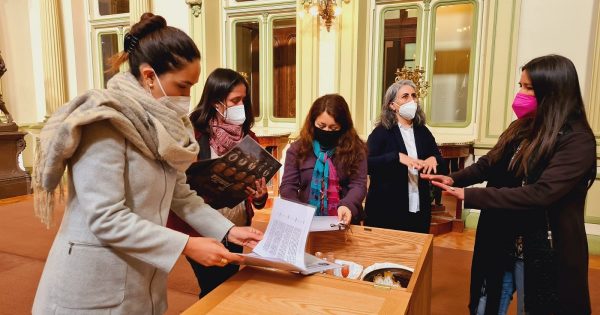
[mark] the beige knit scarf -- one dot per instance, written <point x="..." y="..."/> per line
<point x="155" y="129"/>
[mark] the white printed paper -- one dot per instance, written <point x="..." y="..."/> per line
<point x="326" y="223"/>
<point x="283" y="244"/>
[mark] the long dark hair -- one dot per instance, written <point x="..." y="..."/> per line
<point x="218" y="85"/>
<point x="351" y="150"/>
<point x="556" y="87"/>
<point x="164" y="48"/>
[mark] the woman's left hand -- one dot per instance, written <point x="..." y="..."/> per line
<point x="430" y="164"/>
<point x="459" y="193"/>
<point x="244" y="235"/>
<point x="344" y="214"/>
<point x="260" y="191"/>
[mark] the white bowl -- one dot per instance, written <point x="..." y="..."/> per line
<point x="400" y="274"/>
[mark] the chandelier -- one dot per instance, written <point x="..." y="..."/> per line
<point x="417" y="76"/>
<point x="326" y="9"/>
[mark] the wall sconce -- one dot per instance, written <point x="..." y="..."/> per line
<point x="326" y="9"/>
<point x="417" y="76"/>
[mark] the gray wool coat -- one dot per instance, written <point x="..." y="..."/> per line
<point x="112" y="252"/>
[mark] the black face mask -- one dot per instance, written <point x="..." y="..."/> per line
<point x="327" y="139"/>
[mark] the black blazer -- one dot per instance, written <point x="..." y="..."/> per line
<point x="387" y="199"/>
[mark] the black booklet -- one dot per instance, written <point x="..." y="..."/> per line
<point x="222" y="181"/>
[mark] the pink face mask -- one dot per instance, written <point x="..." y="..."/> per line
<point x="524" y="105"/>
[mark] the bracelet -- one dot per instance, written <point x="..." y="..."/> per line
<point x="258" y="203"/>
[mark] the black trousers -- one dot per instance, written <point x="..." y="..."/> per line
<point x="211" y="277"/>
<point x="402" y="220"/>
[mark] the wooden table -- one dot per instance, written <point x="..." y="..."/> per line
<point x="264" y="291"/>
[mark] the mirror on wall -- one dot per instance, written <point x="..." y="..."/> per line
<point x="399" y="43"/>
<point x="453" y="44"/>
<point x="284" y="68"/>
<point x="109" y="45"/>
<point x="248" y="58"/>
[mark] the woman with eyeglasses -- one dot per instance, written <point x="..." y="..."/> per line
<point x="327" y="166"/>
<point x="400" y="147"/>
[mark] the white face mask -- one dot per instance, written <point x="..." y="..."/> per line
<point x="234" y="115"/>
<point x="408" y="110"/>
<point x="180" y="104"/>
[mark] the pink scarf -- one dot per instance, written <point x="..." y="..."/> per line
<point x="224" y="136"/>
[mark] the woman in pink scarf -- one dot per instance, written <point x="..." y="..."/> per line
<point x="221" y="120"/>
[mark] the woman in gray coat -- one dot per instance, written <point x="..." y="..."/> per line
<point x="126" y="149"/>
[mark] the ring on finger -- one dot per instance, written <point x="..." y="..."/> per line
<point x="224" y="261"/>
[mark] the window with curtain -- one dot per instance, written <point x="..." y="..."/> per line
<point x="109" y="45"/>
<point x="247" y="48"/>
<point x="451" y="67"/>
<point x="263" y="49"/>
<point x="284" y="68"/>
<point x="109" y="22"/>
<point x="399" y="42"/>
<point x="110" y="7"/>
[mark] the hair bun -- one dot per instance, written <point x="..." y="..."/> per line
<point x="148" y="23"/>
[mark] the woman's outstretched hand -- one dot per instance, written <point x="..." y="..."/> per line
<point x="244" y="235"/>
<point x="446" y="180"/>
<point x="445" y="183"/>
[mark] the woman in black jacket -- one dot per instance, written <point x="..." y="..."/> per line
<point x="399" y="147"/>
<point x="538" y="177"/>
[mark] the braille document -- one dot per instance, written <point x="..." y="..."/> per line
<point x="284" y="243"/>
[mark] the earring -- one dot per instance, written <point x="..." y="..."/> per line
<point x="151" y="85"/>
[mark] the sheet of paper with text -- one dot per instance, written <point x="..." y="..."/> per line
<point x="285" y="237"/>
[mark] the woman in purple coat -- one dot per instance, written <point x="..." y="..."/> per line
<point x="327" y="166"/>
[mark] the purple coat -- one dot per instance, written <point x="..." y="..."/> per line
<point x="295" y="184"/>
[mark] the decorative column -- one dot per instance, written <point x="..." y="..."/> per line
<point x="351" y="55"/>
<point x="197" y="21"/>
<point x="137" y="8"/>
<point x="52" y="54"/>
<point x="307" y="66"/>
<point x="206" y="15"/>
